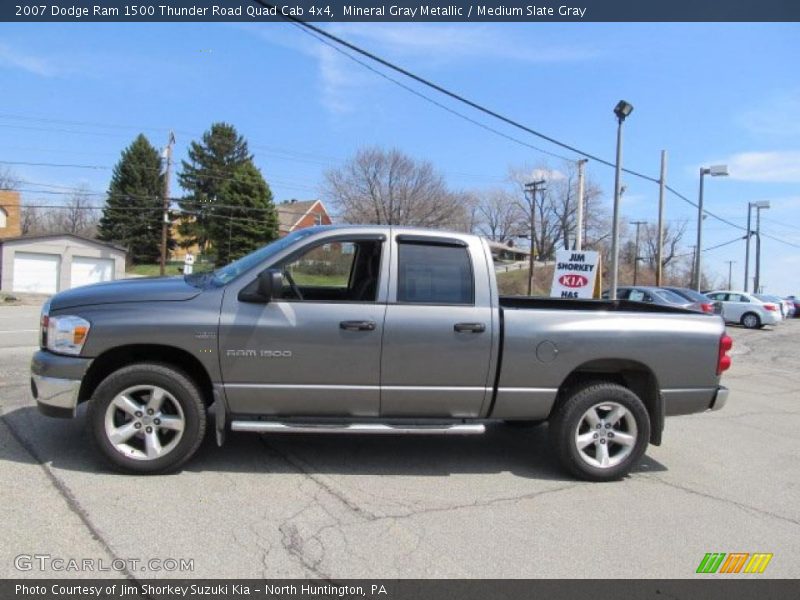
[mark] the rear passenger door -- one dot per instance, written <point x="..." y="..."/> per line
<point x="437" y="338"/>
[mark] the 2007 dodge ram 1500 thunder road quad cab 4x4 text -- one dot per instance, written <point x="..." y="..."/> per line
<point x="369" y="329"/>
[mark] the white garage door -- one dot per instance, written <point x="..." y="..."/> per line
<point x="36" y="272"/>
<point x="86" y="270"/>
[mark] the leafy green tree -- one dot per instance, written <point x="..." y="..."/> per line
<point x="244" y="217"/>
<point x="212" y="162"/>
<point x="132" y="214"/>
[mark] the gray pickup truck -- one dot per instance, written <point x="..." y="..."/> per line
<point x="369" y="330"/>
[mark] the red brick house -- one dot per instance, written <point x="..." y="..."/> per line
<point x="298" y="214"/>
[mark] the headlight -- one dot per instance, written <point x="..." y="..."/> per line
<point x="43" y="320"/>
<point x="66" y="334"/>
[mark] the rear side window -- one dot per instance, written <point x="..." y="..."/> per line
<point x="430" y="274"/>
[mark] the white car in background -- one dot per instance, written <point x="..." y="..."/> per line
<point x="787" y="306"/>
<point x="747" y="309"/>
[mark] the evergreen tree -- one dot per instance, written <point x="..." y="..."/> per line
<point x="247" y="218"/>
<point x="212" y="162"/>
<point x="132" y="214"/>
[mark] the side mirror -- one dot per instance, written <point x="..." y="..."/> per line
<point x="268" y="284"/>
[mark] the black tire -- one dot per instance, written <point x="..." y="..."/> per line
<point x="569" y="415"/>
<point x="181" y="390"/>
<point x="751" y="321"/>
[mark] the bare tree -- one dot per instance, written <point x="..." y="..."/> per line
<point x="673" y="234"/>
<point x="78" y="216"/>
<point x="389" y="187"/>
<point x="30" y="221"/>
<point x="547" y="226"/>
<point x="500" y="215"/>
<point x="8" y="181"/>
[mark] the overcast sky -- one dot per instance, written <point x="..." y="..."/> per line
<point x="707" y="93"/>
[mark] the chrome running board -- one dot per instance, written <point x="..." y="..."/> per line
<point x="369" y="428"/>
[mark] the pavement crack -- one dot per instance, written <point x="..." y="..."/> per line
<point x="740" y="505"/>
<point x="66" y="493"/>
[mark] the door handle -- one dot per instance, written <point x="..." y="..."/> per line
<point x="470" y="327"/>
<point x="357" y="325"/>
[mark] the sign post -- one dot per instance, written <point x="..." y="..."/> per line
<point x="576" y="274"/>
<point x="188" y="264"/>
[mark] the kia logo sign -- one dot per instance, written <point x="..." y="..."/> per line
<point x="573" y="281"/>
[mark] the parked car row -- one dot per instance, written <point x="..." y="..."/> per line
<point x="749" y="310"/>
<point x="667" y="296"/>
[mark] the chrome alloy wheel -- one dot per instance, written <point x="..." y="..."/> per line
<point x="606" y="435"/>
<point x="144" y="422"/>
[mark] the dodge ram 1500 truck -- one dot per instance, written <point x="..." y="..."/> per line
<point x="369" y="329"/>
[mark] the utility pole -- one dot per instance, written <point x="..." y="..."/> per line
<point x="531" y="188"/>
<point x="694" y="261"/>
<point x="636" y="250"/>
<point x="730" y="273"/>
<point x="662" y="183"/>
<point x="165" y="223"/>
<point x="579" y="226"/>
<point x="747" y="247"/>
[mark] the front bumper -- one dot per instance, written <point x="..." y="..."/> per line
<point x="56" y="382"/>
<point x="721" y="398"/>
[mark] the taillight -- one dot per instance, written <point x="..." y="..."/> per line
<point x="771" y="307"/>
<point x="707" y="307"/>
<point x="724" y="361"/>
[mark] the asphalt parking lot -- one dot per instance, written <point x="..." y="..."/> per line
<point x="484" y="506"/>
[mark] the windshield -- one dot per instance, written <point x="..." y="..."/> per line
<point x="230" y="272"/>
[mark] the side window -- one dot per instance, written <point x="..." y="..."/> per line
<point x="636" y="296"/>
<point x="342" y="271"/>
<point x="429" y="274"/>
<point x="738" y="298"/>
<point x="718" y="297"/>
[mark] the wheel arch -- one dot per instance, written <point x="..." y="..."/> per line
<point x="634" y="375"/>
<point x="122" y="356"/>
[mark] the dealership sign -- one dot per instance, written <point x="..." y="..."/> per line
<point x="575" y="274"/>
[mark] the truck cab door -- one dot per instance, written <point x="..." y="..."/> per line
<point x="439" y="330"/>
<point x="314" y="349"/>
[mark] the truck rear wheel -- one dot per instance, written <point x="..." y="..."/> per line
<point x="147" y="418"/>
<point x="600" y="432"/>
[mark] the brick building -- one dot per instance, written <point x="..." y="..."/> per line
<point x="9" y="214"/>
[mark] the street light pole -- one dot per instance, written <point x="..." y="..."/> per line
<point x="715" y="171"/>
<point x="621" y="110"/>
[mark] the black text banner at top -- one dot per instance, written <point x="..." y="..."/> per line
<point x="401" y="11"/>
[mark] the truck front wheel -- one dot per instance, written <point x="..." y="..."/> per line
<point x="147" y="418"/>
<point x="600" y="432"/>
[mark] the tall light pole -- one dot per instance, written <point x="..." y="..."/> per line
<point x="757" y="279"/>
<point x="750" y="206"/>
<point x="579" y="225"/>
<point x="621" y="110"/>
<point x="531" y="188"/>
<point x="165" y="222"/>
<point x="714" y="171"/>
<point x="730" y="273"/>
